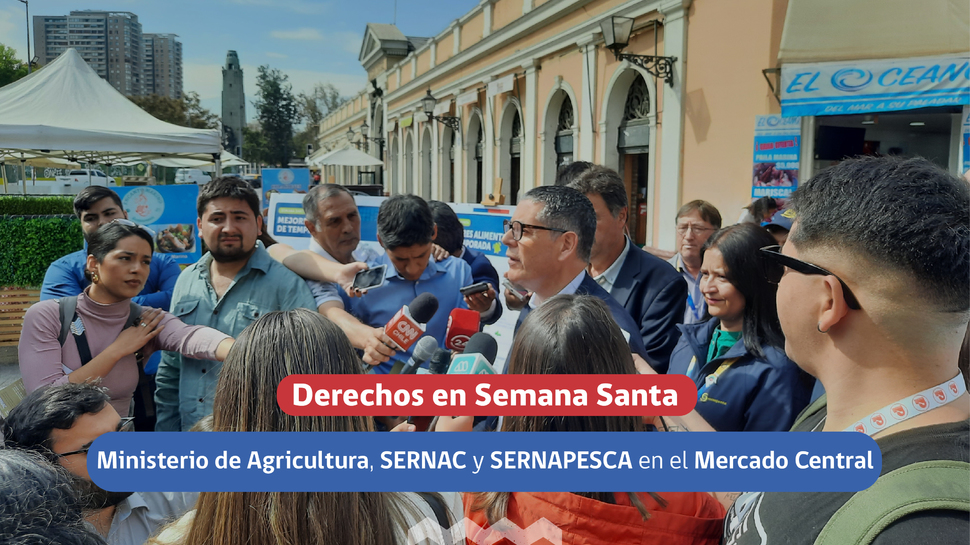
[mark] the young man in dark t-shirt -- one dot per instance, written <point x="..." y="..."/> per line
<point x="874" y="302"/>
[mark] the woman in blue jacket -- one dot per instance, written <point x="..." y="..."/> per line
<point x="745" y="382"/>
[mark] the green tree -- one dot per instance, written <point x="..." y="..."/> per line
<point x="11" y="69"/>
<point x="254" y="144"/>
<point x="277" y="112"/>
<point x="186" y="111"/>
<point x="314" y="106"/>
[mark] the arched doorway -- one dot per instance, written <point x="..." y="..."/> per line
<point x="563" y="143"/>
<point x="510" y="151"/>
<point x="426" y="164"/>
<point x="394" y="165"/>
<point x="475" y="143"/>
<point x="446" y="152"/>
<point x="408" y="162"/>
<point x="633" y="145"/>
<point x="559" y="132"/>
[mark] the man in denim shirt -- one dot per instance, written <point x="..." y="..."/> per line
<point x="233" y="284"/>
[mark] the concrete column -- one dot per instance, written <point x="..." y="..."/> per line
<point x="435" y="162"/>
<point x="672" y="129"/>
<point x="588" y="101"/>
<point x="530" y="113"/>
<point x="488" y="148"/>
<point x="487" y="14"/>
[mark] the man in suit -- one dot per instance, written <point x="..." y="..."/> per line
<point x="647" y="287"/>
<point x="549" y="240"/>
<point x="450" y="241"/>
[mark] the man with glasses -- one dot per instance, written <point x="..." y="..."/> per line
<point x="874" y="302"/>
<point x="60" y="423"/>
<point x="648" y="289"/>
<point x="96" y="206"/>
<point x="549" y="239"/>
<point x="696" y="222"/>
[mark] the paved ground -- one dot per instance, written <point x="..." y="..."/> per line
<point x="9" y="371"/>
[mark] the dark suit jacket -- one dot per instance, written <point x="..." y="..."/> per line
<point x="589" y="287"/>
<point x="483" y="271"/>
<point x="653" y="293"/>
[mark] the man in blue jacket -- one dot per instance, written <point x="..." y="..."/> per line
<point x="95" y="206"/>
<point x="647" y="287"/>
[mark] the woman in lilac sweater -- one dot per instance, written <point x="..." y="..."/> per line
<point x="119" y="256"/>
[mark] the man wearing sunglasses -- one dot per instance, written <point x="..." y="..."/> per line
<point x="874" y="301"/>
<point x="549" y="239"/>
<point x="61" y="422"/>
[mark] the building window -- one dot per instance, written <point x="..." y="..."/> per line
<point x="564" y="133"/>
<point x="637" y="101"/>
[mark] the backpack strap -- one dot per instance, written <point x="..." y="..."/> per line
<point x="924" y="486"/>
<point x="810" y="411"/>
<point x="67" y="306"/>
<point x="440" y="513"/>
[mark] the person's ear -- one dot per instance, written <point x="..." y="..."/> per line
<point x="91" y="264"/>
<point x="259" y="225"/>
<point x="834" y="308"/>
<point x="434" y="232"/>
<point x="310" y="226"/>
<point x="379" y="241"/>
<point x="623" y="215"/>
<point x="569" y="244"/>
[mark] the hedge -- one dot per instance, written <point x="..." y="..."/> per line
<point x="28" y="245"/>
<point x="14" y="205"/>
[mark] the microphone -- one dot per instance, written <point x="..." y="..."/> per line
<point x="408" y="324"/>
<point x="479" y="354"/>
<point x="423" y="351"/>
<point x="440" y="362"/>
<point x="462" y="324"/>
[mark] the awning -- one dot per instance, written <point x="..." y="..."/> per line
<point x="836" y="30"/>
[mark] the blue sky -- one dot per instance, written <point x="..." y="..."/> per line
<point x="311" y="41"/>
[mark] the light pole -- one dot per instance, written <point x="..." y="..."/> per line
<point x="27" y="15"/>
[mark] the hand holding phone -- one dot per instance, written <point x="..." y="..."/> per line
<point x="517" y="291"/>
<point x="478" y="287"/>
<point x="370" y="278"/>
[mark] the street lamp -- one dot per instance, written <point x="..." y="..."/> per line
<point x="365" y="129"/>
<point x="427" y="104"/>
<point x="616" y="34"/>
<point x="27" y="14"/>
<point x="350" y="137"/>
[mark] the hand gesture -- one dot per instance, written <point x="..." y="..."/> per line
<point x="136" y="337"/>
<point x="377" y="348"/>
<point x="346" y="277"/>
<point x="456" y="423"/>
<point x="439" y="253"/>
<point x="481" y="301"/>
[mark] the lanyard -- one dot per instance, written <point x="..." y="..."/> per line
<point x="906" y="408"/>
<point x="696" y="312"/>
<point x="709" y="380"/>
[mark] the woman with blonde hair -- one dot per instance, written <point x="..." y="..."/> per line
<point x="276" y="345"/>
<point x="571" y="334"/>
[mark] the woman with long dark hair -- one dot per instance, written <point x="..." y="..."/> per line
<point x="571" y="334"/>
<point x="109" y="337"/>
<point x="745" y="382"/>
<point x="276" y="345"/>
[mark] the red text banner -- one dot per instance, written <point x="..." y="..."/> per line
<point x="482" y="395"/>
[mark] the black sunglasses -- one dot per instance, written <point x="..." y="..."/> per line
<point x="126" y="424"/>
<point x="774" y="254"/>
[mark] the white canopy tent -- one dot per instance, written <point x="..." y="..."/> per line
<point x="346" y="157"/>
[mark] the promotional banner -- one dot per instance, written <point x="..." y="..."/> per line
<point x="877" y="85"/>
<point x="169" y="211"/>
<point x="503" y="462"/>
<point x="285" y="180"/>
<point x="776" y="156"/>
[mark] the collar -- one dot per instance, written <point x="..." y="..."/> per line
<point x="112" y="310"/>
<point x="260" y="260"/>
<point x="569" y="289"/>
<point x="613" y="271"/>
<point x="430" y="271"/>
<point x="127" y="506"/>
<point x="461" y="254"/>
<point x="317" y="249"/>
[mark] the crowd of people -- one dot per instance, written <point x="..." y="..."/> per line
<point x="851" y="300"/>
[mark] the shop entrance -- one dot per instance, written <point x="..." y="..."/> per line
<point x="925" y="133"/>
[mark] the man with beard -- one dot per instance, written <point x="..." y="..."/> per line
<point x="233" y="284"/>
<point x="61" y="423"/>
<point x="96" y="206"/>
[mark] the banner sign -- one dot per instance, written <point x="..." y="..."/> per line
<point x="285" y="180"/>
<point x="169" y="211"/>
<point x="965" y="140"/>
<point x="486" y="462"/>
<point x="776" y="156"/>
<point x="286" y="216"/>
<point x="878" y="85"/>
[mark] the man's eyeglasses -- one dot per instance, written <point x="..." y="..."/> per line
<point x="130" y="223"/>
<point x="774" y="254"/>
<point x="126" y="424"/>
<point x="697" y="229"/>
<point x="517" y="226"/>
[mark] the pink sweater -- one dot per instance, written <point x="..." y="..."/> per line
<point x="42" y="359"/>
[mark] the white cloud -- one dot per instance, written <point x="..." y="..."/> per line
<point x="306" y="34"/>
<point x="206" y="79"/>
<point x="13" y="31"/>
<point x="272" y="55"/>
<point x="348" y="41"/>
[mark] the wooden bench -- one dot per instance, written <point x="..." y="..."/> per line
<point x="14" y="303"/>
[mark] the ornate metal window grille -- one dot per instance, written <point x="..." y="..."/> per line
<point x="565" y="115"/>
<point x="515" y="145"/>
<point x="479" y="143"/>
<point x="637" y="101"/>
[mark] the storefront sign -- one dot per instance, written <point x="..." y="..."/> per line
<point x="169" y="211"/>
<point x="880" y="85"/>
<point x="285" y="180"/>
<point x="776" y="156"/>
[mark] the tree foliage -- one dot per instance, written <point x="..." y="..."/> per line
<point x="277" y="111"/>
<point x="186" y="111"/>
<point x="11" y="69"/>
<point x="254" y="144"/>
<point x="314" y="106"/>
